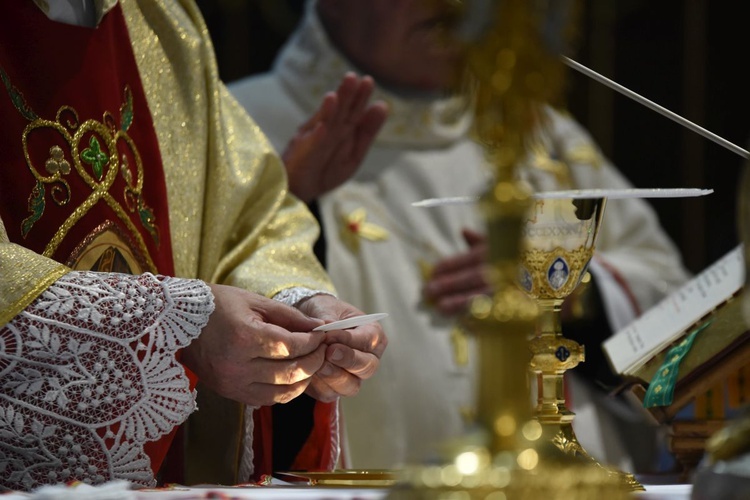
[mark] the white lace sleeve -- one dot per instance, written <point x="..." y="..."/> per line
<point x="88" y="375"/>
<point x="291" y="296"/>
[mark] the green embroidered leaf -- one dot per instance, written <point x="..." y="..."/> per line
<point x="147" y="219"/>
<point x="126" y="110"/>
<point x="36" y="207"/>
<point x="94" y="156"/>
<point x="16" y="98"/>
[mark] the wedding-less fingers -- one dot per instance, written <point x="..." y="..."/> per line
<point x="267" y="381"/>
<point x="459" y="302"/>
<point x="346" y="93"/>
<point x="368" y="129"/>
<point x="328" y="108"/>
<point x="472" y="278"/>
<point x="332" y="382"/>
<point x="368" y="338"/>
<point x="471" y="258"/>
<point x="259" y="394"/>
<point x="362" y="95"/>
<point x="275" y="342"/>
<point x="361" y="364"/>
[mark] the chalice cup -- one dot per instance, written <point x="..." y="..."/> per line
<point x="558" y="242"/>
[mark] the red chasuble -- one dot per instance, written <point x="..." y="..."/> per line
<point x="82" y="178"/>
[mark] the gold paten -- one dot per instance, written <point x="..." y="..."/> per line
<point x="349" y="478"/>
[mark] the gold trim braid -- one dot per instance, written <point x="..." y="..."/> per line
<point x="25" y="276"/>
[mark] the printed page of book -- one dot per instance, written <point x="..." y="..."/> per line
<point x="657" y="328"/>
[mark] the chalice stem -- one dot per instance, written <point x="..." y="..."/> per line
<point x="551" y="402"/>
<point x="553" y="355"/>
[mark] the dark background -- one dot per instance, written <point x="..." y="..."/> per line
<point x="686" y="55"/>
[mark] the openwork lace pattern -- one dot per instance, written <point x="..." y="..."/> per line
<point x="88" y="375"/>
<point x="293" y="296"/>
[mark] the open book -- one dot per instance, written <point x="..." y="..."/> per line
<point x="631" y="348"/>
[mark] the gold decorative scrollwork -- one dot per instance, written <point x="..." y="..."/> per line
<point x="88" y="150"/>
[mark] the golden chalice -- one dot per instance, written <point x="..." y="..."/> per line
<point x="514" y="454"/>
<point x="558" y="242"/>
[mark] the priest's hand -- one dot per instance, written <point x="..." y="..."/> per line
<point x="329" y="147"/>
<point x="352" y="355"/>
<point x="454" y="281"/>
<point x="256" y="350"/>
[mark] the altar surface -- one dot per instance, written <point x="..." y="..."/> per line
<point x="300" y="492"/>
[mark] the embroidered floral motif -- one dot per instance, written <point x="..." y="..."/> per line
<point x="148" y="220"/>
<point x="36" y="206"/>
<point x="88" y="374"/>
<point x="105" y="139"/>
<point x="57" y="162"/>
<point x="355" y="227"/>
<point x="17" y="98"/>
<point x="125" y="172"/>
<point x="94" y="156"/>
<point x="126" y="111"/>
<point x="134" y="201"/>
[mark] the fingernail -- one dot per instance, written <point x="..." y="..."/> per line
<point x="326" y="369"/>
<point x="337" y="355"/>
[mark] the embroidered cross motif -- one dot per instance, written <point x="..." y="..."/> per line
<point x="94" y="156"/>
<point x="355" y="227"/>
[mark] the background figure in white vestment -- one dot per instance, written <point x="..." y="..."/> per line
<point x="420" y="265"/>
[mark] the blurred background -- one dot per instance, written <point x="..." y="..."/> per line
<point x="685" y="55"/>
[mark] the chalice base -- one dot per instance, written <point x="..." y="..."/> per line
<point x="551" y="481"/>
<point x="565" y="447"/>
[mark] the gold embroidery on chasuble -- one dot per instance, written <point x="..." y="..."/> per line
<point x="98" y="153"/>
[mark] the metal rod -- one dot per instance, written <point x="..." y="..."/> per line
<point x="659" y="109"/>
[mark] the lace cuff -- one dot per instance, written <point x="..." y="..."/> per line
<point x="88" y="374"/>
<point x="292" y="296"/>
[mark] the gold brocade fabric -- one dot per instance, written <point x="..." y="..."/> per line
<point x="24" y="276"/>
<point x="232" y="219"/>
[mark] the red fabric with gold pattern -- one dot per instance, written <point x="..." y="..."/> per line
<point x="82" y="179"/>
<point x="76" y="125"/>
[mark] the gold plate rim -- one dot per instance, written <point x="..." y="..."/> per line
<point x="349" y="477"/>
